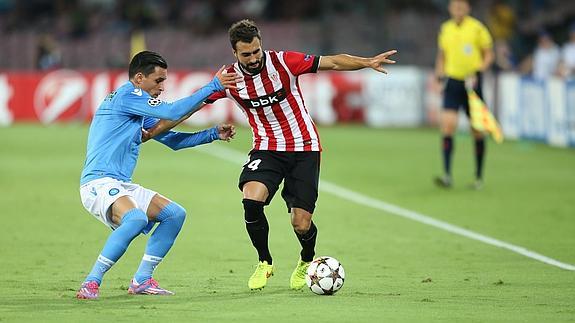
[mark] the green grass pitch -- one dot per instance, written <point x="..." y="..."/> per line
<point x="397" y="269"/>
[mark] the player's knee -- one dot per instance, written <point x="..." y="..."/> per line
<point x="301" y="225"/>
<point x="174" y="212"/>
<point x="253" y="210"/>
<point x="300" y="220"/>
<point x="179" y="212"/>
<point x="136" y="218"/>
<point x="448" y="129"/>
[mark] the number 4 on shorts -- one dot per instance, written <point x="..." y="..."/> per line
<point x="253" y="165"/>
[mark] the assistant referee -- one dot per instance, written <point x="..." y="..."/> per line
<point x="465" y="50"/>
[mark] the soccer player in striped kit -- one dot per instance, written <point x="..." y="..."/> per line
<point x="286" y="144"/>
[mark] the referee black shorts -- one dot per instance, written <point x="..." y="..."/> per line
<point x="455" y="94"/>
<point x="298" y="170"/>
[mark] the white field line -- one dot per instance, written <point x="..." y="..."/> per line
<point x="237" y="157"/>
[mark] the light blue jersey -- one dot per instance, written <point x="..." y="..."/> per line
<point x="115" y="133"/>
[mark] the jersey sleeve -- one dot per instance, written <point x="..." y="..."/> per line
<point x="180" y="140"/>
<point x="143" y="104"/>
<point x="441" y="38"/>
<point x="300" y="63"/>
<point x="149" y="122"/>
<point x="215" y="96"/>
<point x="485" y="40"/>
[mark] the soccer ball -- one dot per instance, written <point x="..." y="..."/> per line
<point x="325" y="276"/>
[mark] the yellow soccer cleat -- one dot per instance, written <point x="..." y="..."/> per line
<point x="259" y="278"/>
<point x="297" y="279"/>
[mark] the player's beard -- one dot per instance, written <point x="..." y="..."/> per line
<point x="254" y="68"/>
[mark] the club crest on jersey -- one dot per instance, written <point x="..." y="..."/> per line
<point x="265" y="100"/>
<point x="153" y="102"/>
<point x="113" y="191"/>
<point x="275" y="77"/>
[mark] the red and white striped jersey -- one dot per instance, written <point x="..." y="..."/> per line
<point x="273" y="103"/>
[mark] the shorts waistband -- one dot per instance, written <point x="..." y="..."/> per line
<point x="101" y="180"/>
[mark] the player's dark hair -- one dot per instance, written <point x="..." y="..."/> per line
<point x="244" y="30"/>
<point x="145" y="62"/>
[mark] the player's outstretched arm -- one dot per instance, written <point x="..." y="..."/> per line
<point x="152" y="107"/>
<point x="227" y="80"/>
<point x="165" y="125"/>
<point x="180" y="140"/>
<point x="345" y="62"/>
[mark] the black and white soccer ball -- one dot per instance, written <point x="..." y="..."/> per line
<point x="325" y="276"/>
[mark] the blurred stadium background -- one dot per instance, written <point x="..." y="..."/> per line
<point x="60" y="58"/>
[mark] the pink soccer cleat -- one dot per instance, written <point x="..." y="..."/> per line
<point x="149" y="287"/>
<point x="89" y="290"/>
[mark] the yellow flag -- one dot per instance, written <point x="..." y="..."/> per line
<point x="481" y="118"/>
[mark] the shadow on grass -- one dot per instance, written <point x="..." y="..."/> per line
<point x="66" y="300"/>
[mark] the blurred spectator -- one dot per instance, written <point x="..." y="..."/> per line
<point x="137" y="42"/>
<point x="49" y="55"/>
<point x="83" y="25"/>
<point x="545" y="60"/>
<point x="501" y="22"/>
<point x="567" y="65"/>
<point x="504" y="59"/>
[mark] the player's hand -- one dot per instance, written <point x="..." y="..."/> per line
<point x="226" y="131"/>
<point x="228" y="80"/>
<point x="376" y="62"/>
<point x="146" y="135"/>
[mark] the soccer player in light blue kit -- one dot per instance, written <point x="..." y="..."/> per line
<point x="113" y="147"/>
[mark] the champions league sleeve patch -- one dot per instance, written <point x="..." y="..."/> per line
<point x="153" y="102"/>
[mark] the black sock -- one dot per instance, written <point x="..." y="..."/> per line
<point x="258" y="228"/>
<point x="447" y="151"/>
<point x="307" y="241"/>
<point x="479" y="156"/>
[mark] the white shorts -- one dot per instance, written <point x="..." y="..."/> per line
<point x="99" y="194"/>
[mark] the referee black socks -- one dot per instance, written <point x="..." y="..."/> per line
<point x="447" y="149"/>
<point x="479" y="157"/>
